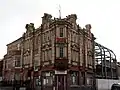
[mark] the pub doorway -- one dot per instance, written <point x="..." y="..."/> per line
<point x="61" y="82"/>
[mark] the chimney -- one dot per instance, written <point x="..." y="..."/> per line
<point x="46" y="18"/>
<point x="30" y="27"/>
<point x="88" y="27"/>
<point x="72" y="18"/>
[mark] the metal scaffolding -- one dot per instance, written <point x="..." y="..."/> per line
<point x="105" y="62"/>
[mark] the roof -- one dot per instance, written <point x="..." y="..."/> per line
<point x="14" y="41"/>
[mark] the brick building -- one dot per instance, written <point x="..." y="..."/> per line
<point x="1" y="68"/>
<point x="60" y="53"/>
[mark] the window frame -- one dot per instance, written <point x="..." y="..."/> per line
<point x="61" y="32"/>
<point x="75" y="75"/>
<point x="17" y="62"/>
<point x="61" y="52"/>
<point x="47" y="80"/>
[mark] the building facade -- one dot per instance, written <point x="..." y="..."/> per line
<point x="1" y="68"/>
<point x="11" y="61"/>
<point x="58" y="54"/>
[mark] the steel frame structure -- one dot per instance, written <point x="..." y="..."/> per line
<point x="105" y="62"/>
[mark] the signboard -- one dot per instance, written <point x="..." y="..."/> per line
<point x="0" y="78"/>
<point x="22" y="88"/>
<point x="35" y="68"/>
<point x="61" y="72"/>
<point x="61" y="40"/>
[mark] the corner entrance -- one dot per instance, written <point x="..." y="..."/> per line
<point x="61" y="81"/>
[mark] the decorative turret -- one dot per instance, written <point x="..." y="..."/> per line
<point x="30" y="27"/>
<point x="88" y="30"/>
<point x="88" y="27"/>
<point x="46" y="18"/>
<point x="72" y="18"/>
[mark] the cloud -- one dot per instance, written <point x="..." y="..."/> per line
<point x="103" y="15"/>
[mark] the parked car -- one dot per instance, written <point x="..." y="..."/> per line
<point x="115" y="86"/>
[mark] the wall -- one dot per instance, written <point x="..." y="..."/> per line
<point x="105" y="84"/>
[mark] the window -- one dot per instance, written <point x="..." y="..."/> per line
<point x="17" y="76"/>
<point x="18" y="46"/>
<point x="36" y="63"/>
<point x="48" y="36"/>
<point x="38" y="82"/>
<point x="74" y="37"/>
<point x="61" y="32"/>
<point x="61" y="52"/>
<point x="45" y="55"/>
<point x="17" y="62"/>
<point x="89" y="81"/>
<point x="71" y="55"/>
<point x="47" y="78"/>
<point x="76" y="56"/>
<point x="48" y="58"/>
<point x="82" y="78"/>
<point x="76" y="40"/>
<point x="47" y="81"/>
<point x="74" y="78"/>
<point x="45" y="37"/>
<point x="36" y="51"/>
<point x="49" y="54"/>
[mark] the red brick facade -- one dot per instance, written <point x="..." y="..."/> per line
<point x="58" y="44"/>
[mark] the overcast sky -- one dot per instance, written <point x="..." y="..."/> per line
<point x="103" y="15"/>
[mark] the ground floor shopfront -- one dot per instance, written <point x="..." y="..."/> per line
<point x="62" y="80"/>
<point x="51" y="79"/>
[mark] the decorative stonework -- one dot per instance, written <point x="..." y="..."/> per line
<point x="45" y="46"/>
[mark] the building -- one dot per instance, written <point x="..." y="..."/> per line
<point x="11" y="61"/>
<point x="118" y="68"/>
<point x="58" y="52"/>
<point x="1" y="68"/>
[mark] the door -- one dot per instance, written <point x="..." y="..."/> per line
<point x="61" y="82"/>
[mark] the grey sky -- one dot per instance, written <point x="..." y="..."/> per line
<point x="103" y="15"/>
